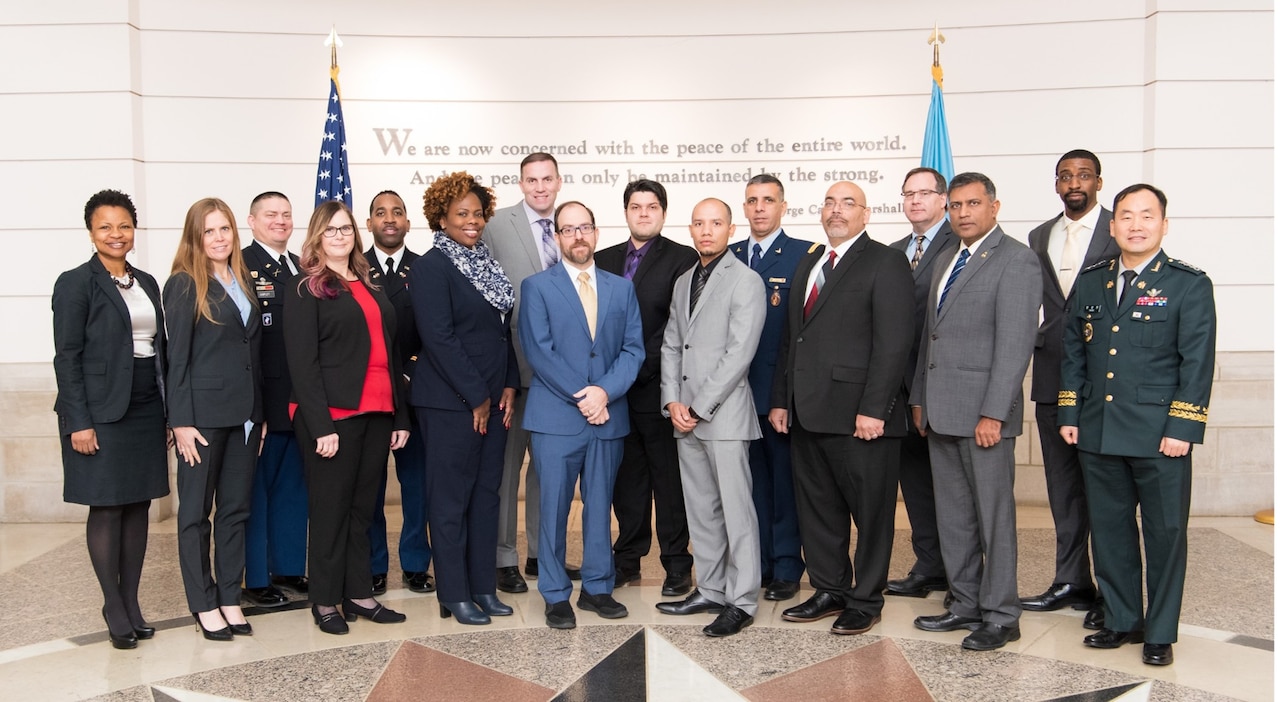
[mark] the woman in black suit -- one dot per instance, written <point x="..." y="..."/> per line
<point x="348" y="411"/>
<point x="464" y="393"/>
<point x="215" y="409"/>
<point x="108" y="336"/>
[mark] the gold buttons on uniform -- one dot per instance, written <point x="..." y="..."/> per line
<point x="1115" y="328"/>
<point x="1108" y="398"/>
<point x="1110" y="375"/>
<point x="1112" y="352"/>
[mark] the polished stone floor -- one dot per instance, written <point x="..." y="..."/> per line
<point x="53" y="645"/>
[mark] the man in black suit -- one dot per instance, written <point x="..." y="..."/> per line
<point x="924" y="200"/>
<point x="1066" y="244"/>
<point x="276" y="535"/>
<point x="649" y="475"/>
<point x="389" y="263"/>
<point x="838" y="390"/>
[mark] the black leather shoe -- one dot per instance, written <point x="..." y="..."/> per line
<point x="560" y="616"/>
<point x="509" y="580"/>
<point x="1112" y="639"/>
<point x="297" y="583"/>
<point x="1096" y="618"/>
<point x="729" y="622"/>
<point x="466" y="612"/>
<point x="377" y="615"/>
<point x="1157" y="654"/>
<point x="695" y="603"/>
<point x="947" y="621"/>
<point x="418" y="582"/>
<point x="127" y="641"/>
<point x="604" y="605"/>
<point x="245" y="629"/>
<point x="622" y="577"/>
<point x="854" y="621"/>
<point x="780" y="590"/>
<point x="820" y="606"/>
<point x="574" y="572"/>
<point x="223" y="634"/>
<point x="915" y="585"/>
<point x="331" y="623"/>
<point x="531" y="567"/>
<point x="990" y="636"/>
<point x="1060" y="595"/>
<point x="267" y="596"/>
<point x="492" y="606"/>
<point x="379" y="583"/>
<point x="144" y="632"/>
<point x="677" y="584"/>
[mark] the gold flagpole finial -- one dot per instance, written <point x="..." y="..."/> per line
<point x="936" y="40"/>
<point x="333" y="41"/>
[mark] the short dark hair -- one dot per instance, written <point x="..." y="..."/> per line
<point x="970" y="178"/>
<point x="644" y="185"/>
<point x="253" y="206"/>
<point x="387" y="192"/>
<point x="540" y="156"/>
<point x="1164" y="201"/>
<point x="768" y="179"/>
<point x="1081" y="153"/>
<point x="108" y="198"/>
<point x="566" y="204"/>
<point x="939" y="180"/>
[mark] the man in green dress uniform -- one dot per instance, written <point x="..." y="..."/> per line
<point x="1136" y="375"/>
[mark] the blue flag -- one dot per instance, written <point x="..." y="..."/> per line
<point x="936" y="153"/>
<point x="333" y="180"/>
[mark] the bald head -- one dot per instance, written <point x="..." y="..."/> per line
<point x="844" y="212"/>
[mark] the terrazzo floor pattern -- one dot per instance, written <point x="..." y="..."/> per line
<point x="1224" y="653"/>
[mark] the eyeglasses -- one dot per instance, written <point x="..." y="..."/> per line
<point x="1085" y="178"/>
<point x="580" y="230"/>
<point x="913" y="194"/>
<point x="845" y="204"/>
<point x="345" y="230"/>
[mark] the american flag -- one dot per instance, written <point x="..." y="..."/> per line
<point x="333" y="180"/>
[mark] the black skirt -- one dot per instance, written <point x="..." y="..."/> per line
<point x="132" y="462"/>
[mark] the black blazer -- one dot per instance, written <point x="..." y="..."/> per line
<point x="396" y="288"/>
<point x="849" y="356"/>
<point x="93" y="346"/>
<point x="269" y="282"/>
<point x="214" y="377"/>
<point x="941" y="249"/>
<point x="467" y="352"/>
<point x="653" y="281"/>
<point x="327" y="343"/>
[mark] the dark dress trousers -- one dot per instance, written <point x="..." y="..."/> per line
<point x="772" y="486"/>
<point x="649" y="475"/>
<point x="213" y="385"/>
<point x="101" y="386"/>
<point x="467" y="357"/>
<point x="847" y="358"/>
<point x="1063" y="478"/>
<point x="411" y="459"/>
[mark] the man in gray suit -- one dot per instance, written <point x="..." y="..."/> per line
<point x="717" y="312"/>
<point x="967" y="395"/>
<point x="1067" y="244"/>
<point x="521" y="238"/>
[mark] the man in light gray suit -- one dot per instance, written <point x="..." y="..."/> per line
<point x="717" y="312"/>
<point x="521" y="238"/>
<point x="967" y="396"/>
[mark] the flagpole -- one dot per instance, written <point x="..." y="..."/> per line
<point x="935" y="152"/>
<point x="333" y="177"/>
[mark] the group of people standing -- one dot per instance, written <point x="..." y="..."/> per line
<point x="752" y="398"/>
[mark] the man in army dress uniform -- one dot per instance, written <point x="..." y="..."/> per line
<point x="1136" y="375"/>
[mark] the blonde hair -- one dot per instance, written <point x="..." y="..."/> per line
<point x="318" y="277"/>
<point x="192" y="260"/>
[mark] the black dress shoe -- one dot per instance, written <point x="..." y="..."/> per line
<point x="492" y="606"/>
<point x="127" y="641"/>
<point x="418" y="582"/>
<point x="622" y="577"/>
<point x="223" y="634"/>
<point x="267" y="596"/>
<point x="560" y="616"/>
<point x="729" y="622"/>
<point x="466" y="612"/>
<point x="915" y="585"/>
<point x="245" y="629"/>
<point x="509" y="580"/>
<point x="677" y="584"/>
<point x="1157" y="654"/>
<point x="331" y="623"/>
<point x="820" y="606"/>
<point x="531" y="567"/>
<point x="990" y="636"/>
<point x="379" y="583"/>
<point x="780" y="590"/>
<point x="947" y="621"/>
<point x="695" y="603"/>
<point x="1113" y="639"/>
<point x="604" y="605"/>
<point x="1060" y="595"/>
<point x="144" y="631"/>
<point x="854" y="621"/>
<point x="297" y="583"/>
<point x="1096" y="617"/>
<point x="377" y="615"/>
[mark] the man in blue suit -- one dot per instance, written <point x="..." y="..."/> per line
<point x="581" y="334"/>
<point x="774" y="256"/>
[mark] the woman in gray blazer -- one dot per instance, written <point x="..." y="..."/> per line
<point x="215" y="409"/>
<point x="109" y="363"/>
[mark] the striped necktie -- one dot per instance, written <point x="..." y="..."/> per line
<point x="955" y="273"/>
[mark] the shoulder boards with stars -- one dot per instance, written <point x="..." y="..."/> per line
<point x="813" y="248"/>
<point x="1099" y="265"/>
<point x="1185" y="266"/>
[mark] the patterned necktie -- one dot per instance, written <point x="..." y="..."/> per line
<point x="915" y="260"/>
<point x="1070" y="257"/>
<point x="391" y="266"/>
<point x="1124" y="291"/>
<point x="550" y="253"/>
<point x="755" y="256"/>
<point x="633" y="263"/>
<point x="699" y="281"/>
<point x="955" y="273"/>
<point x="818" y="282"/>
<point x="588" y="297"/>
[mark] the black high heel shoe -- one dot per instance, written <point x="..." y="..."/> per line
<point x="331" y="623"/>
<point x="377" y="615"/>
<point x="466" y="612"/>
<point x="492" y="606"/>
<point x="127" y="641"/>
<point x="245" y="629"/>
<point x="144" y="631"/>
<point x="223" y="634"/>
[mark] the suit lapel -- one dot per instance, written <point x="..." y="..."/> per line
<point x="713" y="282"/>
<point x="977" y="260"/>
<point x="770" y="257"/>
<point x="1101" y="239"/>
<point x="800" y="283"/>
<point x="843" y="264"/>
<point x="524" y="230"/>
<point x="604" y="296"/>
<point x="649" y="260"/>
<point x="940" y="241"/>
<point x="1150" y="278"/>
<point x="569" y="288"/>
